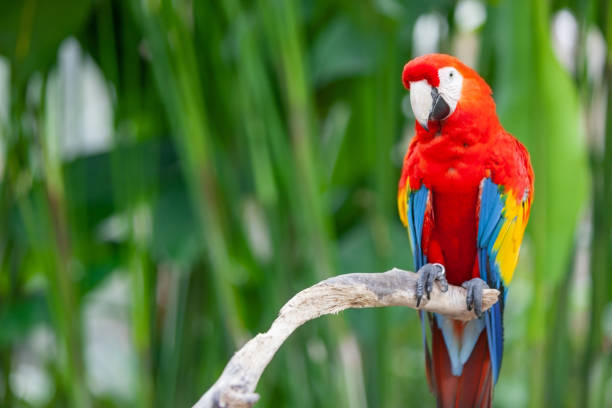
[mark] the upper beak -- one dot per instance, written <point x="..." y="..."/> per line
<point x="427" y="103"/>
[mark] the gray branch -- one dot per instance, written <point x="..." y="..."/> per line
<point x="236" y="386"/>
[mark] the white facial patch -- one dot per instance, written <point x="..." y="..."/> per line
<point x="421" y="100"/>
<point x="450" y="86"/>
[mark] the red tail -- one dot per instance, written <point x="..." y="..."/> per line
<point x="473" y="388"/>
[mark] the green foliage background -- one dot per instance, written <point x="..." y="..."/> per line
<point x="256" y="148"/>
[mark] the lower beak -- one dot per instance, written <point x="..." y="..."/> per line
<point x="439" y="107"/>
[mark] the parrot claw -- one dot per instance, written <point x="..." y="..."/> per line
<point x="426" y="277"/>
<point x="473" y="299"/>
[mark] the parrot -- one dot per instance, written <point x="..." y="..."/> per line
<point x="464" y="195"/>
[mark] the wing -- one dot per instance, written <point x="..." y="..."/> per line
<point x="502" y="218"/>
<point x="416" y="213"/>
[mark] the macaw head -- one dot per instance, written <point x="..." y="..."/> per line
<point x="443" y="88"/>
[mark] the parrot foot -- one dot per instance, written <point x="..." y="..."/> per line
<point x="473" y="299"/>
<point x="426" y="277"/>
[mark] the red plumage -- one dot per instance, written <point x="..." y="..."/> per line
<point x="451" y="159"/>
<point x="473" y="389"/>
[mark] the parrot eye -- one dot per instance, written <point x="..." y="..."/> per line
<point x="451" y="82"/>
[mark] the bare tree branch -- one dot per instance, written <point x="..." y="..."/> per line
<point x="235" y="388"/>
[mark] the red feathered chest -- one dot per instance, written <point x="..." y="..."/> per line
<point x="452" y="166"/>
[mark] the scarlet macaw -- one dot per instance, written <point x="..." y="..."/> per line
<point x="465" y="193"/>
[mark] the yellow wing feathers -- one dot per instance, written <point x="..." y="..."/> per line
<point x="508" y="242"/>
<point x="402" y="204"/>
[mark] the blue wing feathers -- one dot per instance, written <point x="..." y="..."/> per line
<point x="495" y="337"/>
<point x="490" y="223"/>
<point x="491" y="207"/>
<point x="417" y="204"/>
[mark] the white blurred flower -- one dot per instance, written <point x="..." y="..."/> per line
<point x="109" y="355"/>
<point x="257" y="229"/>
<point x="79" y="104"/>
<point x="565" y="38"/>
<point x="596" y="50"/>
<point x="428" y="30"/>
<point x="470" y="15"/>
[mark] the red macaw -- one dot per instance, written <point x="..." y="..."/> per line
<point x="465" y="193"/>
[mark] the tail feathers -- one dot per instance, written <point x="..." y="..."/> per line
<point x="473" y="388"/>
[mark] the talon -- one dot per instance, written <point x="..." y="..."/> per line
<point x="473" y="298"/>
<point x="419" y="291"/>
<point x="469" y="298"/>
<point x="427" y="275"/>
<point x="442" y="277"/>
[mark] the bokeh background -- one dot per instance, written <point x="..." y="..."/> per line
<point x="171" y="172"/>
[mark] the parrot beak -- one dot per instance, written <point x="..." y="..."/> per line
<point x="439" y="108"/>
<point x="421" y="101"/>
<point x="427" y="103"/>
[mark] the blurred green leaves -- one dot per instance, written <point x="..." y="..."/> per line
<point x="256" y="149"/>
<point x="539" y="104"/>
<point x="31" y="31"/>
<point x="342" y="51"/>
